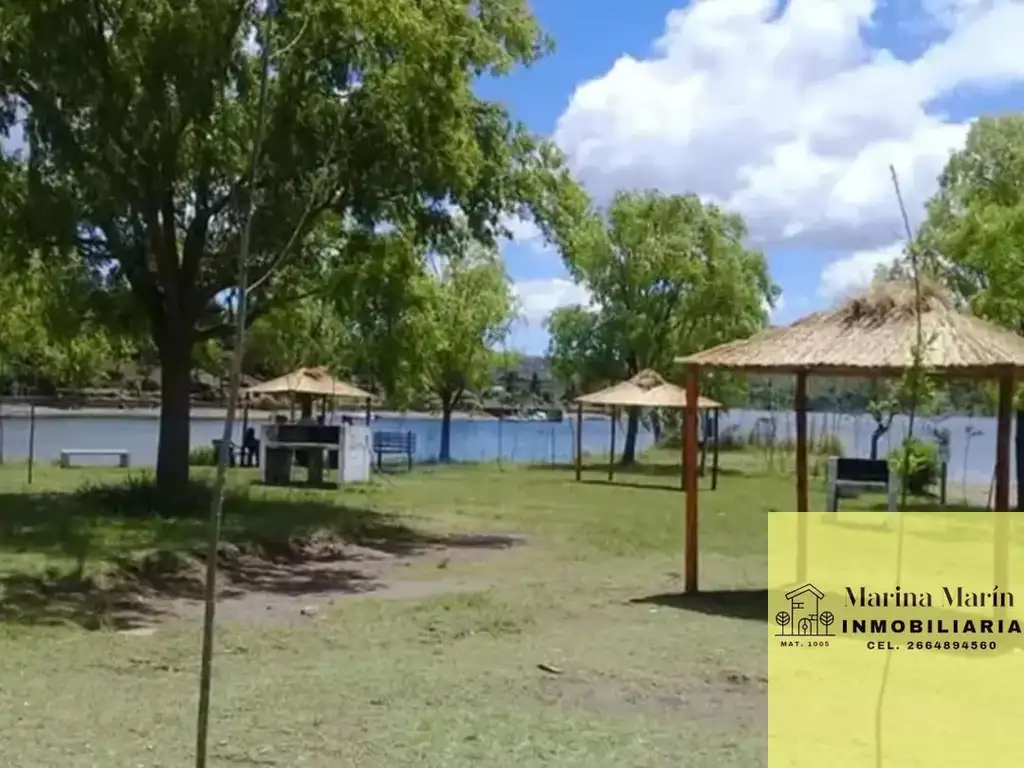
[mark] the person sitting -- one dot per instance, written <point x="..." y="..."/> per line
<point x="250" y="449"/>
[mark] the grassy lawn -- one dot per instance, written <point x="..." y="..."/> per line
<point x="447" y="675"/>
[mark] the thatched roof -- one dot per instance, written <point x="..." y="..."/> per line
<point x="309" y="381"/>
<point x="648" y="390"/>
<point x="875" y="334"/>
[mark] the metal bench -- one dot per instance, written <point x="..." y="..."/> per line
<point x="858" y="474"/>
<point x="123" y="457"/>
<point x="233" y="452"/>
<point x="392" y="444"/>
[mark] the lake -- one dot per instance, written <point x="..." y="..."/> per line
<point x="471" y="439"/>
<point x="972" y="440"/>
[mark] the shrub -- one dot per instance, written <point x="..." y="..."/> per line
<point x="202" y="456"/>
<point x="916" y="463"/>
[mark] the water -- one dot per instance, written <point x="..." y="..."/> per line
<point x="971" y="458"/>
<point x="471" y="439"/>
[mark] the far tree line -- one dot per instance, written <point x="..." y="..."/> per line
<point x="380" y="185"/>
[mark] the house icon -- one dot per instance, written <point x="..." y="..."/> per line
<point x="803" y="619"/>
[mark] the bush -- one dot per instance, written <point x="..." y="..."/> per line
<point x="202" y="456"/>
<point x="916" y="463"/>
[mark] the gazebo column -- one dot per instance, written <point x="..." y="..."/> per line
<point x="690" y="415"/>
<point x="1001" y="521"/>
<point x="800" y="407"/>
<point x="714" y="456"/>
<point x="579" y="440"/>
<point x="611" y="447"/>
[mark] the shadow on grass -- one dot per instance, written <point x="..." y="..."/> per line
<point x="749" y="604"/>
<point x="105" y="556"/>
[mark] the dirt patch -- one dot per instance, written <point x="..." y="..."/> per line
<point x="258" y="582"/>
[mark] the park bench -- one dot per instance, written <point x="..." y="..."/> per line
<point x="394" y="444"/>
<point x="123" y="457"/>
<point x="233" y="452"/>
<point x="860" y="474"/>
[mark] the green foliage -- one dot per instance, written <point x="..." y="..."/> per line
<point x="50" y="328"/>
<point x="668" y="276"/>
<point x="973" y="237"/>
<point x="466" y="310"/>
<point x="141" y="123"/>
<point x="307" y="332"/>
<point x="202" y="456"/>
<point x="916" y="463"/>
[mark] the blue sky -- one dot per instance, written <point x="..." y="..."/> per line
<point x="788" y="112"/>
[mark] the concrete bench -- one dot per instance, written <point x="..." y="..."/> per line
<point x="123" y="457"/>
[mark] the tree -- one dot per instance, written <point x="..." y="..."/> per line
<point x="307" y="332"/>
<point x="52" y="334"/>
<point x="535" y="390"/>
<point x="466" y="310"/>
<point x="973" y="235"/>
<point x="141" y="118"/>
<point x="668" y="275"/>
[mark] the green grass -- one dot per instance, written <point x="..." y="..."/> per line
<point x="647" y="679"/>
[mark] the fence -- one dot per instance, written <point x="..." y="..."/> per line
<point x="472" y="440"/>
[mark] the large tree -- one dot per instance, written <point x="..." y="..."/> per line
<point x="973" y="236"/>
<point x="668" y="275"/>
<point x="142" y="115"/>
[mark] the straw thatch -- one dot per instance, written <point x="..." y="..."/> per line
<point x="647" y="390"/>
<point x="309" y="381"/>
<point x="875" y="334"/>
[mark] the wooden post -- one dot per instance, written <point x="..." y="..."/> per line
<point x="31" y="439"/>
<point x="611" y="449"/>
<point x="369" y="411"/>
<point x="1001" y="519"/>
<point x="690" y="468"/>
<point x="579" y="440"/>
<point x="800" y="406"/>
<point x="714" y="455"/>
<point x="705" y="427"/>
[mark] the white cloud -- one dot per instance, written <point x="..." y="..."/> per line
<point x="540" y="297"/>
<point x="855" y="272"/>
<point x="526" y="232"/>
<point x="789" y="117"/>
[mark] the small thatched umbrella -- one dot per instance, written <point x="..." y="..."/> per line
<point x="309" y="383"/>
<point x="874" y="334"/>
<point x="645" y="390"/>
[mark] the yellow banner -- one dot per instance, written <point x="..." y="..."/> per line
<point x="931" y="596"/>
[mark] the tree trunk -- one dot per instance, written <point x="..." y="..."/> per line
<point x="875" y="437"/>
<point x="632" y="427"/>
<point x="172" y="470"/>
<point x="1018" y="445"/>
<point x="445" y="453"/>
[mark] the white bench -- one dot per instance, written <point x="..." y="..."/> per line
<point x="123" y="457"/>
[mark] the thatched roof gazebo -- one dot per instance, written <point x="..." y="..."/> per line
<point x="871" y="335"/>
<point x="648" y="389"/>
<point x="309" y="383"/>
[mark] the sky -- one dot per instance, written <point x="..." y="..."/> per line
<point x="786" y="111"/>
